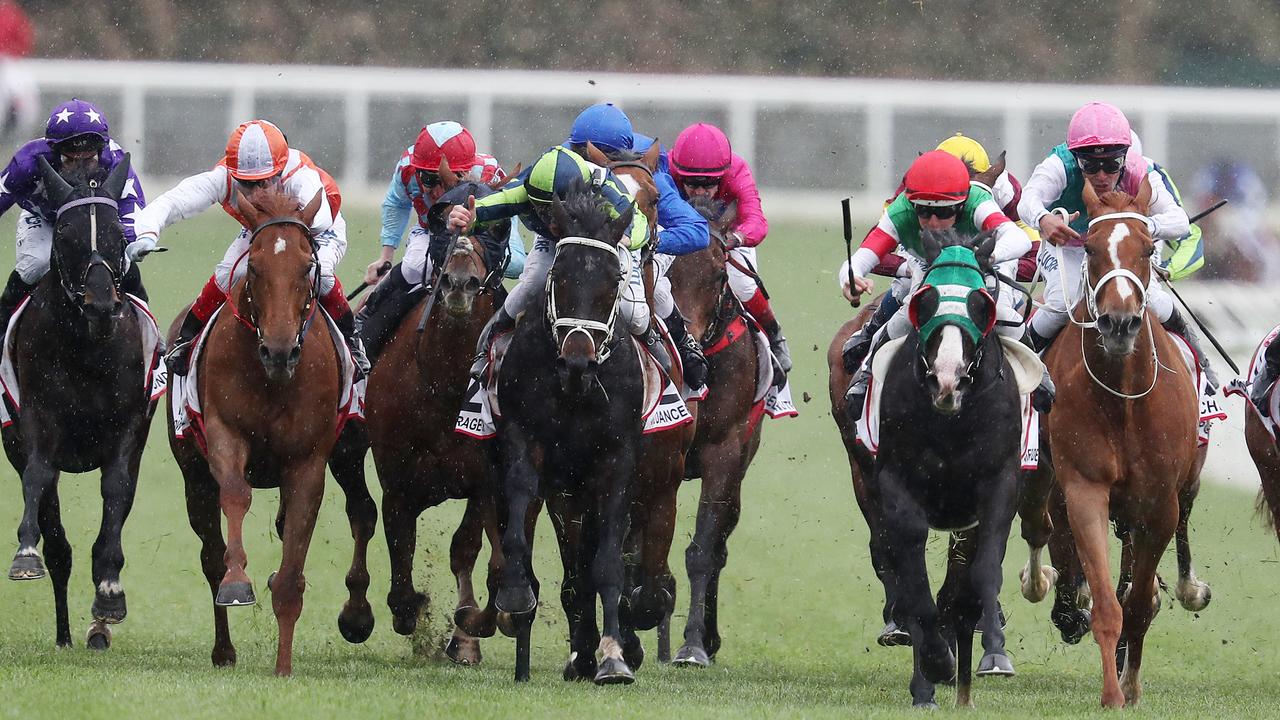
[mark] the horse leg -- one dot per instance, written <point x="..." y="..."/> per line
<point x="1071" y="602"/>
<point x="718" y="510"/>
<point x="986" y="575"/>
<point x="58" y="552"/>
<point x="1149" y="543"/>
<point x="400" y="525"/>
<point x="1036" y="528"/>
<point x="38" y="479"/>
<point x="1087" y="508"/>
<point x="516" y="492"/>
<point x="1193" y="593"/>
<point x="468" y="619"/>
<point x="654" y="598"/>
<point x="204" y="516"/>
<point x="301" y="490"/>
<point x="228" y="456"/>
<point x="612" y="513"/>
<point x="576" y="594"/>
<point x="959" y="609"/>
<point x="119" y="483"/>
<point x="355" y="621"/>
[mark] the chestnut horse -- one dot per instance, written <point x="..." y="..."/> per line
<point x="1121" y="438"/>
<point x="268" y="381"/>
<point x="728" y="428"/>
<point x="415" y="392"/>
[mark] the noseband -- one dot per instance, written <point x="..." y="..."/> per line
<point x="76" y="292"/>
<point x="582" y="325"/>
<point x="308" y="311"/>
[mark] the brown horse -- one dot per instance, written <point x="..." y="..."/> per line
<point x="1122" y="436"/>
<point x="268" y="381"/>
<point x="412" y="405"/>
<point x="728" y="428"/>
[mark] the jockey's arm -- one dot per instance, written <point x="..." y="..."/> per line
<point x="14" y="184"/>
<point x="682" y="230"/>
<point x="188" y="198"/>
<point x="1186" y="253"/>
<point x="1168" y="217"/>
<point x="751" y="225"/>
<point x="515" y="243"/>
<point x="1011" y="242"/>
<point x="637" y="233"/>
<point x="508" y="202"/>
<point x="396" y="209"/>
<point x="1046" y="184"/>
<point x="132" y="200"/>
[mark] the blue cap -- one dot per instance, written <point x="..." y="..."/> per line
<point x="603" y="125"/>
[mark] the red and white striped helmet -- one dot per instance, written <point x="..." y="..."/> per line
<point x="444" y="139"/>
<point x="256" y="150"/>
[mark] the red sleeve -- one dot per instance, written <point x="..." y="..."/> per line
<point x="995" y="219"/>
<point x="1027" y="263"/>
<point x="1011" y="210"/>
<point x="889" y="265"/>
<point x="879" y="242"/>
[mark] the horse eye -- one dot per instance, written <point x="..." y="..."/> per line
<point x="1088" y="250"/>
<point x="1151" y="251"/>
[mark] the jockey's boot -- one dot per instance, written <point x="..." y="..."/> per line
<point x="132" y="283"/>
<point x="1261" y="387"/>
<point x="760" y="309"/>
<point x="695" y="363"/>
<point x="179" y="355"/>
<point x="1178" y="324"/>
<point x="346" y="323"/>
<point x="385" y="307"/>
<point x="856" y="347"/>
<point x="500" y="323"/>
<point x="855" y="397"/>
<point x="652" y="340"/>
<point x="14" y="291"/>
<point x="1043" y="396"/>
<point x="1036" y="341"/>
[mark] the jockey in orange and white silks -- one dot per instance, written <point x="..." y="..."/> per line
<point x="703" y="164"/>
<point x="257" y="156"/>
<point x="1100" y="150"/>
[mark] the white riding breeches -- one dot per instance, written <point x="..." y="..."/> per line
<point x="331" y="245"/>
<point x="632" y="306"/>
<point x="744" y="286"/>
<point x="1063" y="289"/>
<point x="415" y="264"/>
<point x="34" y="245"/>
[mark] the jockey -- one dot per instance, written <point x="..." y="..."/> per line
<point x="938" y="195"/>
<point x="529" y="196"/>
<point x="704" y="165"/>
<point x="681" y="229"/>
<point x="75" y="142"/>
<point x="1099" y="149"/>
<point x="415" y="187"/>
<point x="257" y="157"/>
<point x="1006" y="190"/>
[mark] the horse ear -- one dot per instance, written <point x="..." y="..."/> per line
<point x="986" y="245"/>
<point x="595" y="155"/>
<point x="498" y="182"/>
<point x="114" y="185"/>
<point x="932" y="247"/>
<point x="618" y="226"/>
<point x="313" y="207"/>
<point x="923" y="305"/>
<point x="982" y="310"/>
<point x="250" y="212"/>
<point x="1143" y="198"/>
<point x="448" y="178"/>
<point x="55" y="188"/>
<point x="989" y="176"/>
<point x="559" y="215"/>
<point x="650" y="157"/>
<point x="1091" y="202"/>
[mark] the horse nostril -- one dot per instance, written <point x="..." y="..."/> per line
<point x="263" y="353"/>
<point x="1131" y="326"/>
<point x="295" y="354"/>
<point x="1105" y="324"/>
<point x="446" y="281"/>
<point x="473" y="283"/>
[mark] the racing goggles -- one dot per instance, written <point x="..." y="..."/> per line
<point x="428" y="178"/>
<point x="702" y="182"/>
<point x="942" y="212"/>
<point x="1092" y="165"/>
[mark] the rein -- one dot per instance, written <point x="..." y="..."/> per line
<point x="309" y="311"/>
<point x="583" y="325"/>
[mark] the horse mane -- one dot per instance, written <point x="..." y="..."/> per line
<point x="1116" y="200"/>
<point x="950" y="237"/>
<point x="274" y="202"/>
<point x="585" y="210"/>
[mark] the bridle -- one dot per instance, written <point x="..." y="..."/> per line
<point x="586" y="326"/>
<point x="308" y="311"/>
<point x="76" y="292"/>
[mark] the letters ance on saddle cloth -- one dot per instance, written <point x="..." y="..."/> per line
<point x="1245" y="388"/>
<point x="155" y="376"/>
<point x="188" y="419"/>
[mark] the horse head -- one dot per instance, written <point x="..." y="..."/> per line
<point x="88" y="242"/>
<point x="706" y="299"/>
<point x="470" y="264"/>
<point x="281" y="286"/>
<point x="584" y="286"/>
<point x="987" y="178"/>
<point x="1118" y="248"/>
<point x="953" y="314"/>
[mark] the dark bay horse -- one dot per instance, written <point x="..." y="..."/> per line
<point x="1121" y="440"/>
<point x="415" y="392"/>
<point x="728" y="428"/>
<point x="268" y="380"/>
<point x="85" y="402"/>
<point x="570" y="432"/>
<point x="950" y="424"/>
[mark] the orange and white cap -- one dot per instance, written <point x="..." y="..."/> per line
<point x="256" y="150"/>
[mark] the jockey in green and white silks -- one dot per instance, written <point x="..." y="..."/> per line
<point x="938" y="195"/>
<point x="528" y="195"/>
<point x="1100" y="150"/>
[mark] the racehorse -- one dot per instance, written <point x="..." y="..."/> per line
<point x="82" y="379"/>
<point x="570" y="432"/>
<point x="1121" y="443"/>
<point x="728" y="428"/>
<point x="268" y="380"/>
<point x="948" y="458"/>
<point x="415" y="392"/>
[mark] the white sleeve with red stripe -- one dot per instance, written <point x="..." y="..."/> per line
<point x="882" y="240"/>
<point x="189" y="197"/>
<point x="1011" y="242"/>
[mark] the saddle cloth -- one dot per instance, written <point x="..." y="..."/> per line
<point x="188" y="418"/>
<point x="1211" y="407"/>
<point x="1244" y="387"/>
<point x="154" y="376"/>
<point x="1026" y="369"/>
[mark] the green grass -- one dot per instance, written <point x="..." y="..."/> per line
<point x="800" y="602"/>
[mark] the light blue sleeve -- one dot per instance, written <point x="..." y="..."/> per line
<point x="396" y="209"/>
<point x="515" y="265"/>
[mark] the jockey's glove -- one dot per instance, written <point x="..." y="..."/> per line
<point x="138" y="249"/>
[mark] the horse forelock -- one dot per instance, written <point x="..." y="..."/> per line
<point x="587" y="212"/>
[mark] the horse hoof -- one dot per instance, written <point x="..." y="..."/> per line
<point x="506" y="624"/>
<point x="939" y="666"/>
<point x="995" y="665"/>
<point x="614" y="671"/>
<point x="1036" y="588"/>
<point x="404" y="624"/>
<point x="516" y="600"/>
<point x="27" y="567"/>
<point x="579" y="667"/>
<point x="1073" y="626"/>
<point x="98" y="637"/>
<point x="691" y="656"/>
<point x="355" y="624"/>
<point x="893" y="636"/>
<point x="648" y="608"/>
<point x="271" y="579"/>
<point x="633" y="652"/>
<point x="930" y="705"/>
<point x="109" y="608"/>
<point x="235" y="594"/>
<point x="224" y="658"/>
<point x="1194" y="596"/>
<point x="463" y="651"/>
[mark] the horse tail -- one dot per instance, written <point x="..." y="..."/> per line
<point x="1262" y="508"/>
